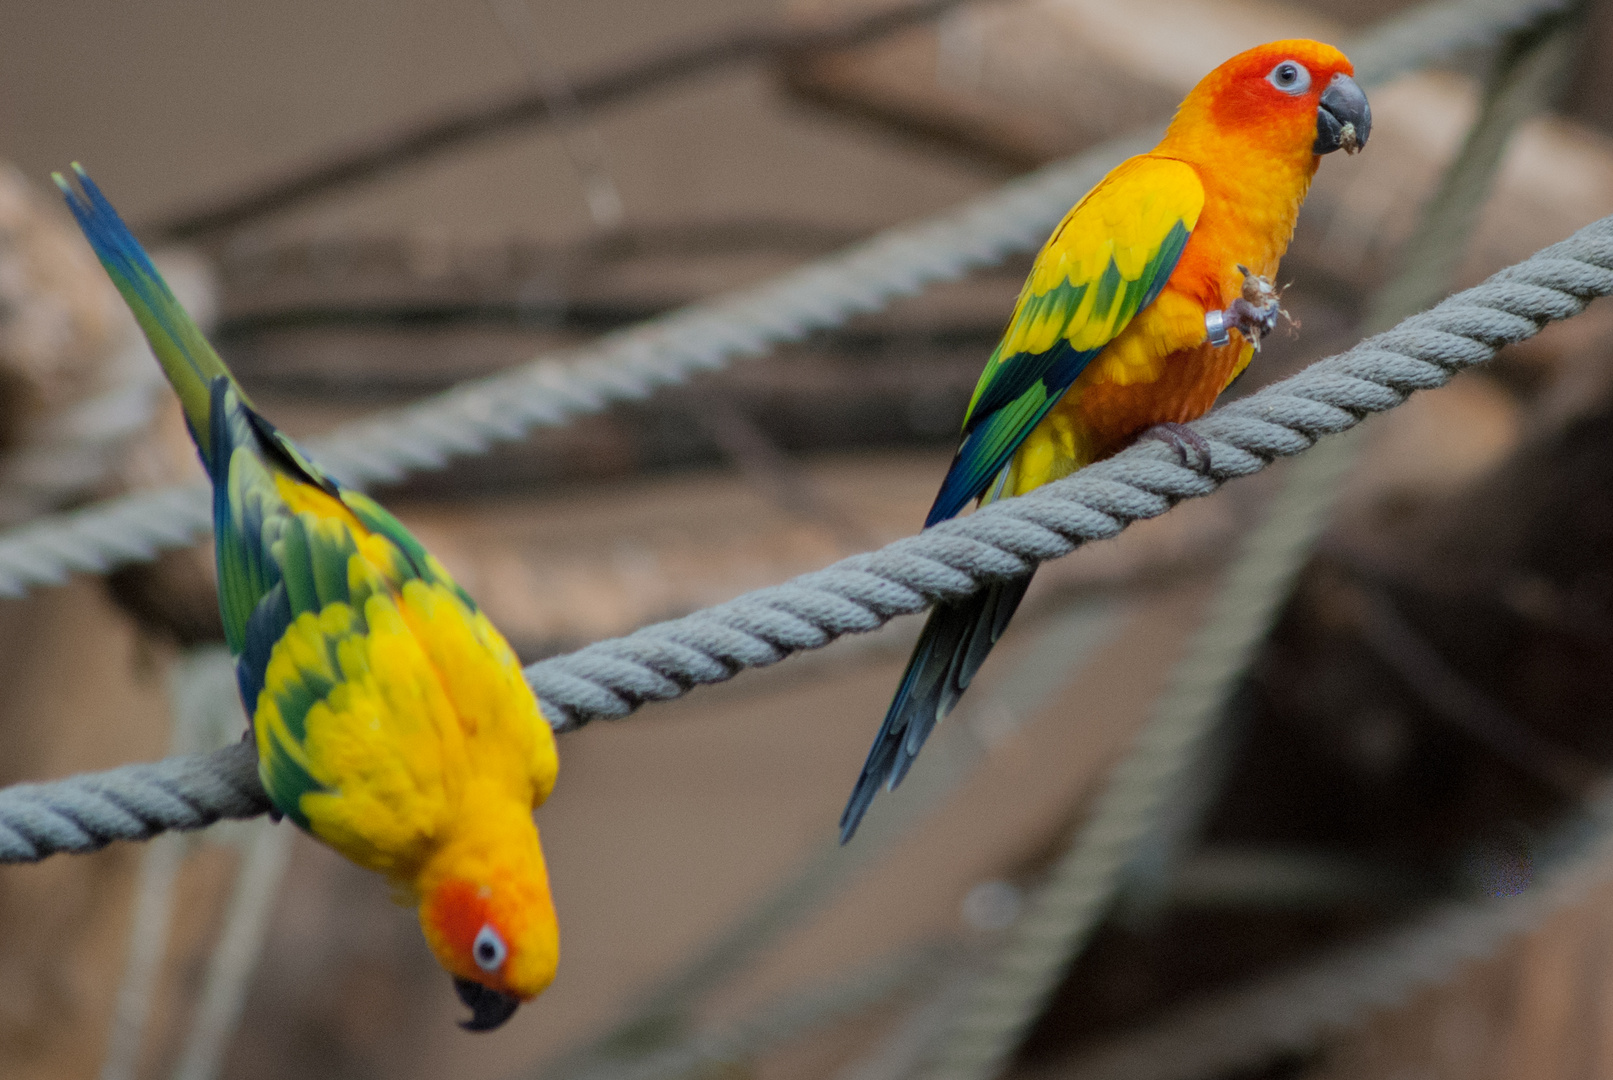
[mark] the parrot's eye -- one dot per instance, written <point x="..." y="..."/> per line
<point x="489" y="949"/>
<point x="1290" y="78"/>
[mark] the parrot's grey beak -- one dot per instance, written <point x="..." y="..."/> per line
<point x="1343" y="117"/>
<point x="488" y="1007"/>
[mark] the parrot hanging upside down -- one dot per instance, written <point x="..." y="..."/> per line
<point x="392" y="720"/>
<point x="1125" y="325"/>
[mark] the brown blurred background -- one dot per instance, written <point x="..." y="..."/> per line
<point x="1472" y="549"/>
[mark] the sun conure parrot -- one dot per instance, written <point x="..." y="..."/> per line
<point x="391" y="719"/>
<point x="1126" y="323"/>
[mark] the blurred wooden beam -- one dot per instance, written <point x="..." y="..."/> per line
<point x="1026" y="81"/>
<point x="1022" y="82"/>
<point x="383" y="153"/>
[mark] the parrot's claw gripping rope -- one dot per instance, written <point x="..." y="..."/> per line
<point x="1253" y="314"/>
<point x="1181" y="438"/>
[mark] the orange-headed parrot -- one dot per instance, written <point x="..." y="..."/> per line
<point x="1149" y="298"/>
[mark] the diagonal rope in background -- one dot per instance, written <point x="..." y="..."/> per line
<point x="611" y="679"/>
<point x="635" y="363"/>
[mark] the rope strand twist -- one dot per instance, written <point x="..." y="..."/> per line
<point x="132" y="802"/>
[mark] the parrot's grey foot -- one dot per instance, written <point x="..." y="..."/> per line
<point x="1181" y="438"/>
<point x="1254" y="314"/>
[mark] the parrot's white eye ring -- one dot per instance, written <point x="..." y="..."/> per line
<point x="1290" y="77"/>
<point x="489" y="949"/>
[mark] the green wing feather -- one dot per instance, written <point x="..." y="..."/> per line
<point x="185" y="355"/>
<point x="1107" y="261"/>
<point x="294" y="578"/>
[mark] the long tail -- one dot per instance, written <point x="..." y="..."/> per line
<point x="955" y="642"/>
<point x="184" y="353"/>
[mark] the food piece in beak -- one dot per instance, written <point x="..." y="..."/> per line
<point x="1343" y="117"/>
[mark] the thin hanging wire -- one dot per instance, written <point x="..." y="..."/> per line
<point x="579" y="136"/>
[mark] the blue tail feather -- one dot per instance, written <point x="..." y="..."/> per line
<point x="954" y="643"/>
<point x="186" y="357"/>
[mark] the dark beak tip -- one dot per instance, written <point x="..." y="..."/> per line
<point x="489" y="1008"/>
<point x="1343" y="117"/>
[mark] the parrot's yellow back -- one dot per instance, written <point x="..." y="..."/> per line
<point x="391" y="718"/>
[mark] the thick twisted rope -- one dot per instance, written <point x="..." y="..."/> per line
<point x="635" y="363"/>
<point x="611" y="679"/>
<point x="133" y="802"/>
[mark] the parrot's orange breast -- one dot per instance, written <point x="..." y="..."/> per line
<point x="1111" y="414"/>
<point x="1160" y="368"/>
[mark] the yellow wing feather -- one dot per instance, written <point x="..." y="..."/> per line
<point x="1109" y="259"/>
<point x="394" y="706"/>
<point x="1122" y="222"/>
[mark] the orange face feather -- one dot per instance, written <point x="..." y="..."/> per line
<point x="1240" y="100"/>
<point x="485" y="907"/>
